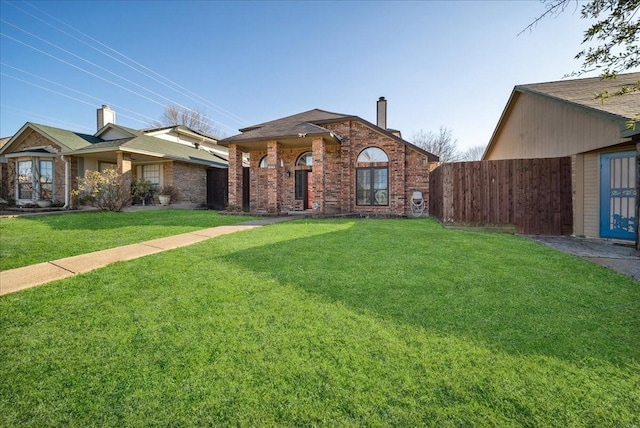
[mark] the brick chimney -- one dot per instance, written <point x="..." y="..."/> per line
<point x="105" y="115"/>
<point x="382" y="113"/>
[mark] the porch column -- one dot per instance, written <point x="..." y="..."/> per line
<point x="124" y="169"/>
<point x="274" y="185"/>
<point x="235" y="178"/>
<point x="319" y="155"/>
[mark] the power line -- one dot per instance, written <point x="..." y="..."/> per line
<point x="62" y="94"/>
<point x="97" y="76"/>
<point x="48" y="118"/>
<point x="181" y="90"/>
<point x="101" y="68"/>
<point x="98" y="100"/>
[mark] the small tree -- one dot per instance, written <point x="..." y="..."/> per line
<point x="102" y="189"/>
<point x="192" y="118"/>
<point x="441" y="144"/>
<point x="611" y="42"/>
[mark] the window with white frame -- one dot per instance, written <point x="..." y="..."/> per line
<point x="152" y="174"/>
<point x="34" y="179"/>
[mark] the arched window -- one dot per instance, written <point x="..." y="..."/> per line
<point x="263" y="162"/>
<point x="372" y="177"/>
<point x="372" y="154"/>
<point x="305" y="159"/>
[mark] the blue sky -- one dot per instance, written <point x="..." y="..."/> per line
<point x="450" y="64"/>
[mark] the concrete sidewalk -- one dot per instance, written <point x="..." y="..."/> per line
<point x="41" y="273"/>
<point x="611" y="254"/>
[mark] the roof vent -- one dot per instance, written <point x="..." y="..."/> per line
<point x="382" y="113"/>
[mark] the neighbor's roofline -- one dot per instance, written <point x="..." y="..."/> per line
<point x="35" y="127"/>
<point x="122" y="148"/>
<point x="522" y="89"/>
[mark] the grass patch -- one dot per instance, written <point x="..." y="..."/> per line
<point x="335" y="322"/>
<point x="28" y="240"/>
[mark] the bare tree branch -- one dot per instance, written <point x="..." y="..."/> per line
<point x="442" y="144"/>
<point x="192" y="118"/>
<point x="616" y="34"/>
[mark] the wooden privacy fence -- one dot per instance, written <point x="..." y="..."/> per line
<point x="534" y="195"/>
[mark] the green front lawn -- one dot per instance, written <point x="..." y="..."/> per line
<point x="332" y="322"/>
<point x="34" y="239"/>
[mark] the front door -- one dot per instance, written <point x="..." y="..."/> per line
<point x="618" y="195"/>
<point x="304" y="188"/>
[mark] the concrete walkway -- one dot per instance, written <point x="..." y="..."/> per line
<point x="30" y="276"/>
<point x="613" y="255"/>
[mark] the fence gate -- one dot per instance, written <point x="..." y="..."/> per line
<point x="618" y="195"/>
<point x="217" y="188"/>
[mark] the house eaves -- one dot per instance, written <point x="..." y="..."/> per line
<point x="581" y="99"/>
<point x="158" y="148"/>
<point x="621" y="120"/>
<point x="308" y="124"/>
<point x="33" y="151"/>
<point x="180" y="129"/>
<point x="498" y="129"/>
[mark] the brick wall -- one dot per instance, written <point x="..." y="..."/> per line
<point x="334" y="174"/>
<point x="189" y="180"/>
<point x="408" y="169"/>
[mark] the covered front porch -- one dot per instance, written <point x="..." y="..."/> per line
<point x="287" y="175"/>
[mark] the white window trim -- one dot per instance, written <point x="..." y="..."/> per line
<point x="161" y="172"/>
<point x="35" y="181"/>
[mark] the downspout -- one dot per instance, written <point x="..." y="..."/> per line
<point x="67" y="190"/>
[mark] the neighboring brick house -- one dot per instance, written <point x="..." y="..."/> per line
<point x="44" y="162"/>
<point x="327" y="163"/>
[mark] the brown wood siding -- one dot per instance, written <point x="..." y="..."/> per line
<point x="537" y="127"/>
<point x="532" y="194"/>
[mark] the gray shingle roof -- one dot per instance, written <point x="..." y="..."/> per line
<point x="582" y="92"/>
<point x="71" y="140"/>
<point x="156" y="147"/>
<point x="308" y="123"/>
<point x="301" y="123"/>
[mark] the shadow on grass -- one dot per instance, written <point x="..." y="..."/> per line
<point x="499" y="289"/>
<point x="97" y="220"/>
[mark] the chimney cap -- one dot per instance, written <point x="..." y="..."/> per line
<point x="381" y="99"/>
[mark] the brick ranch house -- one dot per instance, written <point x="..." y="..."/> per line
<point x="327" y="163"/>
<point x="43" y="162"/>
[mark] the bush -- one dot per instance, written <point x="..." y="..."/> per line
<point x="169" y="191"/>
<point x="102" y="189"/>
<point x="142" y="192"/>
